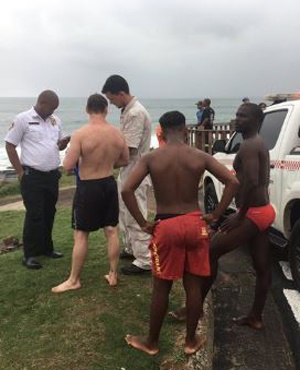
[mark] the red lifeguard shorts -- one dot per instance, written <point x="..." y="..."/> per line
<point x="263" y="217"/>
<point x="180" y="244"/>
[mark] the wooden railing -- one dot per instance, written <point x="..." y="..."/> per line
<point x="204" y="139"/>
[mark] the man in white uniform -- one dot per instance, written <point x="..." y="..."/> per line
<point x="39" y="134"/>
<point x="136" y="127"/>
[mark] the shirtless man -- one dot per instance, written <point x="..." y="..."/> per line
<point x="255" y="213"/>
<point x="179" y="246"/>
<point x="97" y="147"/>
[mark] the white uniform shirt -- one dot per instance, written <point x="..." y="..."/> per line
<point x="38" y="140"/>
<point x="136" y="127"/>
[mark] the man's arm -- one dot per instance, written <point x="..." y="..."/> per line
<point x="63" y="139"/>
<point x="138" y="174"/>
<point x="231" y="185"/>
<point x="204" y="117"/>
<point x="250" y="171"/>
<point x="133" y="133"/>
<point x="14" y="158"/>
<point x="62" y="143"/>
<point x="73" y="153"/>
<point x="205" y="122"/>
<point x="123" y="159"/>
<point x="198" y="115"/>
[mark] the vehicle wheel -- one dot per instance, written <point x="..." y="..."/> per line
<point x="210" y="198"/>
<point x="294" y="253"/>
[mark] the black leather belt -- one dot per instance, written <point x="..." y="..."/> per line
<point x="33" y="170"/>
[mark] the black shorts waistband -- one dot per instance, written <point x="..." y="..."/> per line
<point x="103" y="179"/>
<point x="165" y="216"/>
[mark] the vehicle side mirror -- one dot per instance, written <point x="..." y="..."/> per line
<point x="219" y="146"/>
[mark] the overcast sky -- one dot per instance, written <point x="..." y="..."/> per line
<point x="164" y="48"/>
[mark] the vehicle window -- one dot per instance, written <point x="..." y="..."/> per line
<point x="295" y="151"/>
<point x="269" y="131"/>
<point x="234" y="144"/>
<point x="271" y="127"/>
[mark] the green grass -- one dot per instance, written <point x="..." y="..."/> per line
<point x="83" y="329"/>
<point x="10" y="189"/>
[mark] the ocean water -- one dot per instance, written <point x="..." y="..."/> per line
<point x="72" y="113"/>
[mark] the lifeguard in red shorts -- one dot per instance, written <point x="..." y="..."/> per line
<point x="179" y="243"/>
<point x="249" y="225"/>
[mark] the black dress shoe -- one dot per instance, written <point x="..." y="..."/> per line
<point x="126" y="256"/>
<point x="54" y="255"/>
<point x="31" y="263"/>
<point x="134" y="270"/>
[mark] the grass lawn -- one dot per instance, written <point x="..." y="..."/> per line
<point x="11" y="189"/>
<point x="83" y="329"/>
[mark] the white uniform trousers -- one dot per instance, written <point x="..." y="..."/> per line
<point x="135" y="241"/>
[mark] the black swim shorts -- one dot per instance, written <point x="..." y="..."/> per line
<point x="95" y="204"/>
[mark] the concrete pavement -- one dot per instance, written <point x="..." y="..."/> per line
<point x="15" y="206"/>
<point x="240" y="347"/>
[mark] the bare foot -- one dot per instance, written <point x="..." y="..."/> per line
<point x="193" y="347"/>
<point x="250" y="321"/>
<point x="111" y="278"/>
<point x="65" y="286"/>
<point x="141" y="344"/>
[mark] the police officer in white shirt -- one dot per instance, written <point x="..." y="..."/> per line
<point x="39" y="134"/>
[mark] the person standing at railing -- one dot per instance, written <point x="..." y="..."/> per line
<point x="207" y="119"/>
<point x="199" y="111"/>
<point x="208" y="115"/>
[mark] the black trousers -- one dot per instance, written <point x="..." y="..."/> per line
<point x="40" y="193"/>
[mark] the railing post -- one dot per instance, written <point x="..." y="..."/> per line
<point x="204" y="139"/>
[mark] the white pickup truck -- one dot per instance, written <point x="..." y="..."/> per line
<point x="281" y="132"/>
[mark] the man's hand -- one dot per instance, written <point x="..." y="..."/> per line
<point x="232" y="222"/>
<point x="20" y="175"/>
<point x="212" y="222"/>
<point x="149" y="227"/>
<point x="62" y="143"/>
<point x="209" y="218"/>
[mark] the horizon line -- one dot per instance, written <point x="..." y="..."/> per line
<point x="139" y="97"/>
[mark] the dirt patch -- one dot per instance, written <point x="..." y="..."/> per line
<point x="10" y="244"/>
<point x="9" y="200"/>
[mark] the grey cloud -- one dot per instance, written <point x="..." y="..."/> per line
<point x="164" y="48"/>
